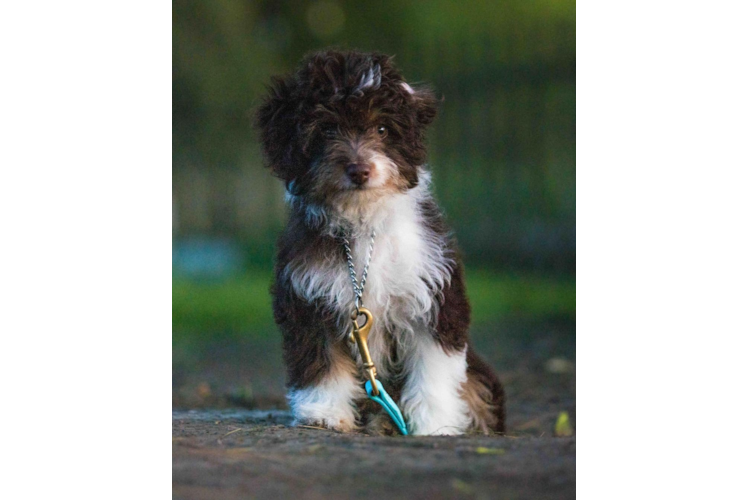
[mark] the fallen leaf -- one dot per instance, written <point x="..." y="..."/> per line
<point x="490" y="451"/>
<point x="563" y="425"/>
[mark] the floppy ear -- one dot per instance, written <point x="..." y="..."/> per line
<point x="425" y="103"/>
<point x="275" y="119"/>
<point x="426" y="106"/>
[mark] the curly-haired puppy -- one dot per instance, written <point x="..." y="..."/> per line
<point x="346" y="134"/>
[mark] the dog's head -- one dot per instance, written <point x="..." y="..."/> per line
<point x="345" y="126"/>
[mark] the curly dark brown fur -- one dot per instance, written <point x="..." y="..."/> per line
<point x="325" y="94"/>
<point x="308" y="342"/>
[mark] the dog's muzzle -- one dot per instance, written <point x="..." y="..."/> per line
<point x="358" y="173"/>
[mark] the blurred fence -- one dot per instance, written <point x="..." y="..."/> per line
<point x="502" y="149"/>
<point x="503" y="154"/>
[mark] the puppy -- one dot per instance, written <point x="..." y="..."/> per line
<point x="346" y="134"/>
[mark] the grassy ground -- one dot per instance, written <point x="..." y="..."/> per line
<point x="242" y="304"/>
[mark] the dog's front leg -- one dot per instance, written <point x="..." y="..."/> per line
<point x="329" y="401"/>
<point x="436" y="367"/>
<point x="322" y="378"/>
<point x="432" y="396"/>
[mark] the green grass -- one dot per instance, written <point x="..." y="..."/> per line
<point x="238" y="305"/>
<point x="242" y="305"/>
<point x="498" y="296"/>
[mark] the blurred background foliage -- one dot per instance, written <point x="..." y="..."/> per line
<point x="502" y="149"/>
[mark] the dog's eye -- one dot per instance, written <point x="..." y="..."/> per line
<point x="382" y="130"/>
<point x="330" y="132"/>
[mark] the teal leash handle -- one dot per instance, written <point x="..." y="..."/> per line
<point x="388" y="404"/>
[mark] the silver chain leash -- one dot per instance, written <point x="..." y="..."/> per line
<point x="358" y="288"/>
<point x="360" y="335"/>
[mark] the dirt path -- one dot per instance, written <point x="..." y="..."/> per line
<point x="228" y="454"/>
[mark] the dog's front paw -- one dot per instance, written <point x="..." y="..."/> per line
<point x="332" y="423"/>
<point x="329" y="404"/>
<point x="424" y="420"/>
<point x="437" y="430"/>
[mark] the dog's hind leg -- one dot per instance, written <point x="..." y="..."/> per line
<point x="485" y="395"/>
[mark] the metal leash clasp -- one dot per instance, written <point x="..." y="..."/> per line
<point x="361" y="335"/>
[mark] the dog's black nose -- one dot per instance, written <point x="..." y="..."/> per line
<point x="358" y="172"/>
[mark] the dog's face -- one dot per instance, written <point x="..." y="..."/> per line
<point x="345" y="127"/>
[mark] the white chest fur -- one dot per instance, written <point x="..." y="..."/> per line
<point x="409" y="263"/>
